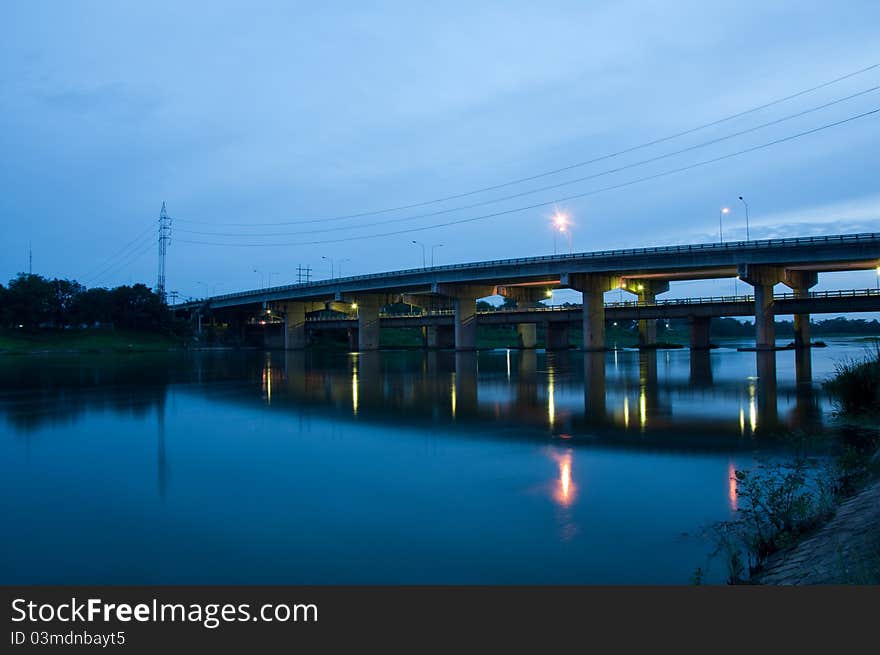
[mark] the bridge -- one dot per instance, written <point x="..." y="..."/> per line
<point x="447" y="295"/>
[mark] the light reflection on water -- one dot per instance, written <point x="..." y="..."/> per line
<point x="398" y="467"/>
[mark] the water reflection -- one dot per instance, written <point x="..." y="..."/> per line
<point x="576" y="393"/>
<point x="565" y="489"/>
<point x="514" y="451"/>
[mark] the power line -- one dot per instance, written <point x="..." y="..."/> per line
<point x="89" y="275"/>
<point x="129" y="259"/>
<point x="557" y="170"/>
<point x="555" y="201"/>
<point x="544" y="188"/>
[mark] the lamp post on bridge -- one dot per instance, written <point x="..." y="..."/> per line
<point x="561" y="224"/>
<point x="339" y="265"/>
<point x="331" y="266"/>
<point x="743" y="200"/>
<point x="721" y="213"/>
<point x="424" y="252"/>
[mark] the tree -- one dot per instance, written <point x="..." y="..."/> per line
<point x="29" y="301"/>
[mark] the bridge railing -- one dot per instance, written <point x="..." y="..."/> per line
<point x="705" y="300"/>
<point x="598" y="254"/>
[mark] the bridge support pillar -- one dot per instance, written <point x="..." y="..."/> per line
<point x="647" y="291"/>
<point x="556" y="336"/>
<point x="801" y="282"/>
<point x="464" y="304"/>
<point x="439" y="336"/>
<point x="763" y="279"/>
<point x="699" y="332"/>
<point x="527" y="333"/>
<point x="295" y="337"/>
<point x="593" y="288"/>
<point x="526" y="297"/>
<point x="368" y="323"/>
<point x="295" y="334"/>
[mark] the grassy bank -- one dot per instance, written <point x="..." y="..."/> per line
<point x="782" y="504"/>
<point x="92" y="340"/>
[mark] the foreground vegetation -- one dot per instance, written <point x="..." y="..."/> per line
<point x="780" y="503"/>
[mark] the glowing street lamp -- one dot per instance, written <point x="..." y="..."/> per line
<point x="721" y="213"/>
<point x="561" y="225"/>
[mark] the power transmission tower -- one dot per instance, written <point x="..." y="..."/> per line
<point x="164" y="240"/>
<point x="303" y="274"/>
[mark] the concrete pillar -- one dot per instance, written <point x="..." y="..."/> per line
<point x="765" y="318"/>
<point x="593" y="288"/>
<point x="368" y="323"/>
<point x="801" y="282"/>
<point x="763" y="279"/>
<point x="556" y="336"/>
<point x="527" y="333"/>
<point x="353" y="336"/>
<point x="295" y="337"/>
<point x="439" y="336"/>
<point x="464" y="303"/>
<point x="465" y="323"/>
<point x="699" y="327"/>
<point x="526" y="297"/>
<point x="647" y="291"/>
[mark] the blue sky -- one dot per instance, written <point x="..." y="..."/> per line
<point x="248" y="113"/>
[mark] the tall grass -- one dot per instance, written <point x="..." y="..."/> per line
<point x="855" y="386"/>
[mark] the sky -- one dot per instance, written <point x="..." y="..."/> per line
<point x="266" y="123"/>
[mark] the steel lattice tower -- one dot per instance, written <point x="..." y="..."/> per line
<point x="164" y="240"/>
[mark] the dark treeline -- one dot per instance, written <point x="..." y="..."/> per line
<point x="32" y="302"/>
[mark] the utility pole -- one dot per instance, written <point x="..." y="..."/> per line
<point x="303" y="274"/>
<point x="30" y="258"/>
<point x="164" y="240"/>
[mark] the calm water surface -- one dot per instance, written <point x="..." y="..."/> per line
<point x="393" y="467"/>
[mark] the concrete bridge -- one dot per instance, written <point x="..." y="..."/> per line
<point x="447" y="295"/>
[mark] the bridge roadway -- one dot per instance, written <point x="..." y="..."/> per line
<point x="644" y="272"/>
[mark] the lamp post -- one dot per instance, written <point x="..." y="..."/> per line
<point x="721" y="213"/>
<point x="743" y="200"/>
<point x="339" y="265"/>
<point x="262" y="278"/>
<point x="419" y="243"/>
<point x="433" y="248"/>
<point x="331" y="266"/>
<point x="560" y="224"/>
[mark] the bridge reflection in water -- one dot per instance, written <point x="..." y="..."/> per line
<point x="574" y="395"/>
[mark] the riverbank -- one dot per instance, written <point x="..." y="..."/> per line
<point x="846" y="550"/>
<point x="19" y="342"/>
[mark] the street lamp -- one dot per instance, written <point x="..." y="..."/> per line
<point x="339" y="265"/>
<point x="419" y="243"/>
<point x="433" y="248"/>
<point x="747" y="216"/>
<point x="262" y="278"/>
<point x="331" y="266"/>
<point x="560" y="224"/>
<point x="721" y="213"/>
